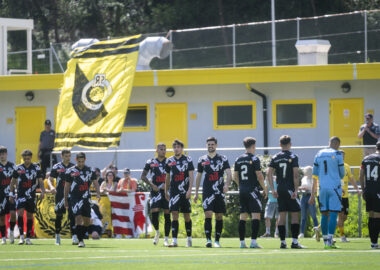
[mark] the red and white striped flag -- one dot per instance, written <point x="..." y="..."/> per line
<point x="128" y="213"/>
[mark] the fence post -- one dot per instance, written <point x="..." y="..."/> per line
<point x="365" y="37"/>
<point x="273" y="34"/>
<point x="360" y="216"/>
<point x="171" y="51"/>
<point x="298" y="28"/>
<point x="51" y="59"/>
<point x="233" y="46"/>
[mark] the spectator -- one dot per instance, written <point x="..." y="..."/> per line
<point x="109" y="184"/>
<point x="370" y="132"/>
<point x="127" y="184"/>
<point x="113" y="168"/>
<point x="271" y="210"/>
<point x="306" y="186"/>
<point x="46" y="147"/>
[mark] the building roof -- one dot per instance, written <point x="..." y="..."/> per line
<point x="369" y="71"/>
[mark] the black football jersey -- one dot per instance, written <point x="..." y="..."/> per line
<point x="371" y="167"/>
<point x="179" y="173"/>
<point x="284" y="162"/>
<point x="81" y="180"/>
<point x="27" y="180"/>
<point x="6" y="173"/>
<point x="214" y="173"/>
<point x="247" y="165"/>
<point x="58" y="172"/>
<point x="157" y="171"/>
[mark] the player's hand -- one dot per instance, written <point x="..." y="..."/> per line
<point x="265" y="195"/>
<point x="225" y="188"/>
<point x="12" y="200"/>
<point x="275" y="194"/>
<point x="66" y="204"/>
<point x="188" y="194"/>
<point x="155" y="188"/>
<point x="53" y="191"/>
<point x="312" y="200"/>
<point x="294" y="195"/>
<point x="196" y="198"/>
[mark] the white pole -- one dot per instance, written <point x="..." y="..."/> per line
<point x="365" y="37"/>
<point x="273" y="35"/>
<point x="29" y="50"/>
<point x="233" y="46"/>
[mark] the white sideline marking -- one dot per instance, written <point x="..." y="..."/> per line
<point x="192" y="255"/>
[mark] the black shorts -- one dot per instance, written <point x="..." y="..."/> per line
<point x="372" y="200"/>
<point x="214" y="203"/>
<point x="60" y="205"/>
<point x="250" y="202"/>
<point x="179" y="203"/>
<point x="81" y="207"/>
<point x="345" y="205"/>
<point x="6" y="206"/>
<point x="158" y="200"/>
<point x="28" y="204"/>
<point x="286" y="203"/>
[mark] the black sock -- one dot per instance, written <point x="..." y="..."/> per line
<point x="371" y="229"/>
<point x="208" y="228"/>
<point x="58" y="223"/>
<point x="155" y="221"/>
<point x="29" y="227"/>
<point x="377" y="229"/>
<point x="242" y="229"/>
<point x="12" y="225"/>
<point x="167" y="224"/>
<point x="85" y="232"/>
<point x="175" y="228"/>
<point x="188" y="226"/>
<point x="2" y="231"/>
<point x="80" y="232"/>
<point x="218" y="229"/>
<point x="295" y="228"/>
<point x="255" y="225"/>
<point x="73" y="227"/>
<point x="281" y="232"/>
<point x="20" y="224"/>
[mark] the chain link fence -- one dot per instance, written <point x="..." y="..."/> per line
<point x="354" y="38"/>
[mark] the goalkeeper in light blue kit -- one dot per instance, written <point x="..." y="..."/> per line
<point x="329" y="168"/>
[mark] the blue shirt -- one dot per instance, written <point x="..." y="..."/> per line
<point x="329" y="167"/>
<point x="270" y="196"/>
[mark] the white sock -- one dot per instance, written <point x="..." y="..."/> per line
<point x="174" y="240"/>
<point x="166" y="238"/>
<point x="242" y="242"/>
<point x="295" y="240"/>
<point x="267" y="230"/>
<point x="283" y="242"/>
<point x="253" y="241"/>
<point x="189" y="238"/>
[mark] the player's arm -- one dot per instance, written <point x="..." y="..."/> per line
<point x="191" y="180"/>
<point x="236" y="178"/>
<point x="198" y="179"/>
<point x="295" y="182"/>
<point x="228" y="180"/>
<point x="260" y="177"/>
<point x="12" y="189"/>
<point x="353" y="182"/>
<point x="270" y="181"/>
<point x="66" y="193"/>
<point x="42" y="186"/>
<point x="50" y="184"/>
<point x="362" y="181"/>
<point x="361" y="132"/>
<point x="146" y="180"/>
<point x="167" y="185"/>
<point x="342" y="171"/>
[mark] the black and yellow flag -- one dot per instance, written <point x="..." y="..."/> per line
<point x="95" y="94"/>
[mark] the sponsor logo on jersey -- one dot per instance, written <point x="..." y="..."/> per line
<point x="205" y="163"/>
<point x="173" y="163"/>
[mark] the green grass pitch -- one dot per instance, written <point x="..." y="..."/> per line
<point x="107" y="254"/>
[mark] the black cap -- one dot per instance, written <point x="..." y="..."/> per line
<point x="48" y="122"/>
<point x="370" y="115"/>
<point x="127" y="171"/>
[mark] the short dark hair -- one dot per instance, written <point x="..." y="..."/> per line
<point x="65" y="151"/>
<point x="3" y="149"/>
<point x="249" y="141"/>
<point x="334" y="139"/>
<point x="160" y="145"/>
<point x="378" y="145"/>
<point x="26" y="153"/>
<point x="178" y="142"/>
<point x="285" y="140"/>
<point x="81" y="155"/>
<point x="212" y="139"/>
<point x="110" y="172"/>
<point x="370" y="115"/>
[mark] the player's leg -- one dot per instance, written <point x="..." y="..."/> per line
<point x="335" y="205"/>
<point x="20" y="224"/>
<point x="281" y="228"/>
<point x="242" y="222"/>
<point x="295" y="228"/>
<point x="79" y="223"/>
<point x="168" y="224"/>
<point x="29" y="226"/>
<point x="155" y="221"/>
<point x="86" y="222"/>
<point x="12" y="222"/>
<point x="342" y="217"/>
<point x="208" y="227"/>
<point x="185" y="208"/>
<point x="218" y="228"/>
<point x="175" y="215"/>
<point x="73" y="227"/>
<point x="2" y="229"/>
<point x="376" y="227"/>
<point x="255" y="226"/>
<point x="58" y="227"/>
